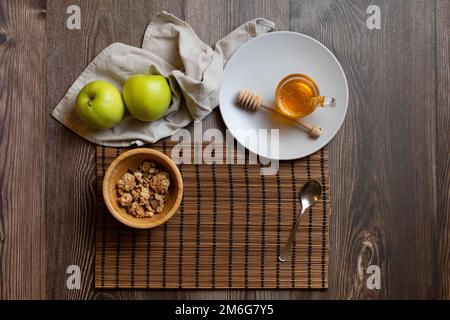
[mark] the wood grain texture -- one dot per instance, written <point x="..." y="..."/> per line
<point x="212" y="20"/>
<point x="442" y="276"/>
<point x="389" y="164"/>
<point x="22" y="230"/>
<point x="380" y="212"/>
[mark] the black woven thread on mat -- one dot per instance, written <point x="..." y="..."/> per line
<point x="147" y="270"/>
<point x="197" y="230"/>
<point x="102" y="276"/>
<point x="277" y="272"/>
<point x="308" y="171"/>
<point x="247" y="220"/>
<point x="263" y="227"/>
<point x="117" y="243"/>
<point x="164" y="257"/>
<point x="324" y="214"/>
<point x="294" y="216"/>
<point x="214" y="225"/>
<point x="180" y="248"/>
<point x="230" y="234"/>
<point x="133" y="258"/>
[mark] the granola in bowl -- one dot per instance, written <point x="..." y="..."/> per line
<point x="143" y="192"/>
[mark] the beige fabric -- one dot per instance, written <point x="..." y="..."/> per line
<point x="171" y="48"/>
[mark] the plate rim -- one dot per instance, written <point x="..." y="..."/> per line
<point x="309" y="38"/>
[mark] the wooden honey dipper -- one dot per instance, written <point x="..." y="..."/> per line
<point x="251" y="101"/>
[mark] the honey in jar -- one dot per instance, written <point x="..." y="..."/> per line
<point x="297" y="96"/>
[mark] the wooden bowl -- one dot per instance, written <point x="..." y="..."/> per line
<point x="131" y="160"/>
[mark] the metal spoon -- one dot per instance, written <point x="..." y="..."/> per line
<point x="309" y="195"/>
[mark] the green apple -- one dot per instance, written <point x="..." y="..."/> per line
<point x="147" y="97"/>
<point x="100" y="105"/>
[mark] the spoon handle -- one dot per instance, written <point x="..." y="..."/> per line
<point x="287" y="245"/>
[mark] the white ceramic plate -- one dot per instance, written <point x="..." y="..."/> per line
<point x="259" y="65"/>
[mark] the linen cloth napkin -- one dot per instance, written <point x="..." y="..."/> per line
<point x="171" y="48"/>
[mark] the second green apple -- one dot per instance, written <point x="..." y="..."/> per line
<point x="147" y="97"/>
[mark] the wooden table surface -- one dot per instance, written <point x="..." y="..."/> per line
<point x="389" y="163"/>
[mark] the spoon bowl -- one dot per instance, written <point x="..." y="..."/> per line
<point x="310" y="193"/>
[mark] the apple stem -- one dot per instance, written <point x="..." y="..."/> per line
<point x="89" y="103"/>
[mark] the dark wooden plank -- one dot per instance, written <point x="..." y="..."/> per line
<point x="70" y="221"/>
<point x="22" y="262"/>
<point x="71" y="160"/>
<point x="443" y="148"/>
<point x="212" y="20"/>
<point x="382" y="160"/>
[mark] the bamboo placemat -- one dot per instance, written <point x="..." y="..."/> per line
<point x="226" y="234"/>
